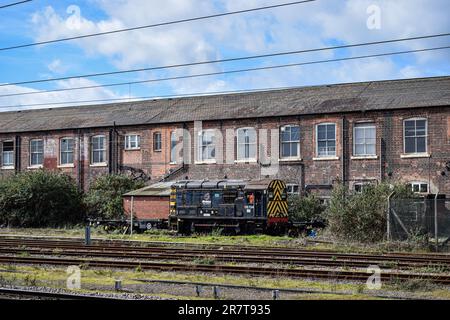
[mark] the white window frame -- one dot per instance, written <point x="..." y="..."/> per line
<point x="61" y="151"/>
<point x="240" y="157"/>
<point x="292" y="185"/>
<point x="173" y="147"/>
<point x="419" y="183"/>
<point x="103" y="150"/>
<point x="327" y="155"/>
<point x="415" y="136"/>
<point x="364" y="125"/>
<point x="9" y="165"/>
<point x="290" y="142"/>
<point x="36" y="165"/>
<point x="136" y="141"/>
<point x="200" y="146"/>
<point x="362" y="184"/>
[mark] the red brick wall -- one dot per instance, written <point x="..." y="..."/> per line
<point x="147" y="207"/>
<point x="389" y="165"/>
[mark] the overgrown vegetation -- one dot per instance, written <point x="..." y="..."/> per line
<point x="361" y="216"/>
<point x="104" y="198"/>
<point x="305" y="208"/>
<point x="40" y="199"/>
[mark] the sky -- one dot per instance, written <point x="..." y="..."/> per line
<point x="316" y="24"/>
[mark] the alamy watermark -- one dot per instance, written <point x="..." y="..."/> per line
<point x="374" y="20"/>
<point x="74" y="279"/>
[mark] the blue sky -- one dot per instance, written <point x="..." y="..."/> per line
<point x="303" y="26"/>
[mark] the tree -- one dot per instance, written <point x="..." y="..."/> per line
<point x="104" y="198"/>
<point x="362" y="216"/>
<point x="305" y="209"/>
<point x="40" y="199"/>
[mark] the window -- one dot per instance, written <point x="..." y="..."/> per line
<point x="364" y="139"/>
<point x="8" y="154"/>
<point x="292" y="189"/>
<point x="419" y="187"/>
<point x="206" y="145"/>
<point x="98" y="149"/>
<point x="36" y="152"/>
<point x="326" y="140"/>
<point x="359" y="187"/>
<point x="415" y="135"/>
<point x="173" y="147"/>
<point x="290" y="142"/>
<point x="157" y="145"/>
<point x="246" y="144"/>
<point x="66" y="151"/>
<point x="132" y="142"/>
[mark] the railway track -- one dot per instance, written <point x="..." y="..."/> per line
<point x="249" y="255"/>
<point x="240" y="270"/>
<point x="9" y="293"/>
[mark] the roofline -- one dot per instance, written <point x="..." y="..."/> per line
<point x="212" y="94"/>
<point x="209" y="120"/>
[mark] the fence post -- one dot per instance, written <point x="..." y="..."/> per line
<point x="87" y="235"/>
<point x="436" y="239"/>
<point x="388" y="217"/>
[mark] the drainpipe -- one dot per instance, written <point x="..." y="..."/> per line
<point x="344" y="151"/>
<point x="436" y="239"/>
<point x="80" y="162"/>
<point x="17" y="148"/>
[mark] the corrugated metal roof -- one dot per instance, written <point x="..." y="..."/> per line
<point x="362" y="96"/>
<point x="157" y="189"/>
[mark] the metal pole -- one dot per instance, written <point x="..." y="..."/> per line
<point x="132" y="205"/>
<point x="87" y="235"/>
<point x="436" y="238"/>
<point x="388" y="217"/>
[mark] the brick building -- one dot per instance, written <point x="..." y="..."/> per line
<point x="312" y="137"/>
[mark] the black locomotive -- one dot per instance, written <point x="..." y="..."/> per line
<point x="232" y="205"/>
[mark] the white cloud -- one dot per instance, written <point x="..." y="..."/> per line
<point x="297" y="27"/>
<point x="52" y="99"/>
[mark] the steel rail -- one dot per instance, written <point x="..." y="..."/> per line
<point x="239" y="270"/>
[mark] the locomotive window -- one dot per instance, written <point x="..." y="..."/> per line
<point x="229" y="197"/>
<point x="216" y="199"/>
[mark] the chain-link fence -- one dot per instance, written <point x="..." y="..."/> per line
<point x="420" y="220"/>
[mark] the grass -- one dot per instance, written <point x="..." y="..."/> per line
<point x="57" y="277"/>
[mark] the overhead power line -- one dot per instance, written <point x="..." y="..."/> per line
<point x="156" y="25"/>
<point x="226" y="72"/>
<point x="227" y="59"/>
<point x="13" y="4"/>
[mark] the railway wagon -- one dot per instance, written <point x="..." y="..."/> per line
<point x="150" y="206"/>
<point x="232" y="205"/>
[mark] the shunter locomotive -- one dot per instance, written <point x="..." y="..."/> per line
<point x="232" y="205"/>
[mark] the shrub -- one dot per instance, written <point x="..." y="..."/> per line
<point x="305" y="209"/>
<point x="40" y="199"/>
<point x="362" y="216"/>
<point x="104" y="198"/>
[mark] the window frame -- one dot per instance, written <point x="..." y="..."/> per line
<point x="3" y="164"/>
<point x="36" y="165"/>
<point x="200" y="146"/>
<point x="297" y="142"/>
<point x="292" y="185"/>
<point x="415" y="136"/>
<point x="419" y="183"/>
<point x="317" y="140"/>
<point x="128" y="142"/>
<point x="157" y="142"/>
<point x="249" y="159"/>
<point x="103" y="150"/>
<point x="364" y="125"/>
<point x="61" y="151"/>
<point x="173" y="147"/>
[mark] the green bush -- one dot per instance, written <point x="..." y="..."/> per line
<point x="362" y="216"/>
<point x="40" y="199"/>
<point x="104" y="198"/>
<point x="305" y="208"/>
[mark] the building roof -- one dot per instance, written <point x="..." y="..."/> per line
<point x="160" y="189"/>
<point x="351" y="97"/>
